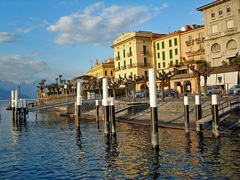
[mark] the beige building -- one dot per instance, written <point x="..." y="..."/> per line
<point x="133" y="53"/>
<point x="105" y="69"/>
<point x="222" y="30"/>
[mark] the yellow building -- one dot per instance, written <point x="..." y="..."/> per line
<point x="167" y="51"/>
<point x="133" y="54"/>
<point x="105" y="69"/>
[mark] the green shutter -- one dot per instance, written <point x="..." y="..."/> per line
<point x="163" y="55"/>
<point x="170" y="54"/>
<point x="175" y="41"/>
<point x="159" y="65"/>
<point x="170" y="43"/>
<point x="157" y="46"/>
<point x="176" y="62"/>
<point x="124" y="53"/>
<point x="158" y="55"/>
<point x="164" y="64"/>
<point x="176" y="51"/>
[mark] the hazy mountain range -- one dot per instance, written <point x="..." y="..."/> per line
<point x="26" y="90"/>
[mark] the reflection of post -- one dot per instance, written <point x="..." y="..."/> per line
<point x="106" y="107"/>
<point x="198" y="112"/>
<point x="215" y="118"/>
<point x="153" y="105"/>
<point x="78" y="105"/>
<point x="186" y="112"/>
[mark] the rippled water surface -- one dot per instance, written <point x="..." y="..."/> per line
<point x="50" y="148"/>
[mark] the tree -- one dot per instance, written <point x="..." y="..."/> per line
<point x="205" y="70"/>
<point x="113" y="83"/>
<point x="197" y="74"/>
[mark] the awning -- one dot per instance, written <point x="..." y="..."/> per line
<point x="231" y="54"/>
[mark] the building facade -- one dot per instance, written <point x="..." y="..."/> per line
<point x="105" y="69"/>
<point x="222" y="31"/>
<point x="222" y="40"/>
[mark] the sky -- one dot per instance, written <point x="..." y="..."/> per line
<point x="41" y="39"/>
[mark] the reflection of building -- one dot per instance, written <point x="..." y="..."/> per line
<point x="105" y="69"/>
<point x="222" y="30"/>
<point x="133" y="53"/>
<point x="222" y="39"/>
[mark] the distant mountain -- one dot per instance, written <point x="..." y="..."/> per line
<point x="5" y="94"/>
<point x="26" y="90"/>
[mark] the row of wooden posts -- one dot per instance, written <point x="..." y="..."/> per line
<point x="18" y="106"/>
<point x="109" y="109"/>
<point x="19" y="110"/>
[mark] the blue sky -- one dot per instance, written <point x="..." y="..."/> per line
<point x="40" y="39"/>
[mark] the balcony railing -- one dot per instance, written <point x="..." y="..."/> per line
<point x="123" y="67"/>
<point x="129" y="66"/>
<point x="145" y="53"/>
<point x="199" y="40"/>
<point x="117" y="69"/>
<point x="129" y="54"/>
<point x="117" y="58"/>
<point x="195" y="53"/>
<point x="190" y="42"/>
<point x="143" y="65"/>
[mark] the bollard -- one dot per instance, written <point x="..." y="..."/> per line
<point x="198" y="112"/>
<point x="97" y="112"/>
<point x="112" y="117"/>
<point x="215" y="119"/>
<point x="106" y="107"/>
<point x="153" y="105"/>
<point x="78" y="105"/>
<point x="186" y="113"/>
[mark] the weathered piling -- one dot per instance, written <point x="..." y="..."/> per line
<point x="97" y="112"/>
<point x="12" y="104"/>
<point x="106" y="107"/>
<point x="186" y="113"/>
<point x="16" y="105"/>
<point x="215" y="118"/>
<point x="78" y="105"/>
<point x="112" y="117"/>
<point x="198" y="112"/>
<point x="153" y="106"/>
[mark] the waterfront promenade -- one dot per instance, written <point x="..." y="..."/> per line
<point x="170" y="114"/>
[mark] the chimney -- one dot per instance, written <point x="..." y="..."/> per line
<point x="194" y="26"/>
<point x="187" y="27"/>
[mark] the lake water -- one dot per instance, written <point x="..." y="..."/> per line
<point x="50" y="148"/>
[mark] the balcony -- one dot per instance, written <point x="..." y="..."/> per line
<point x="141" y="65"/>
<point x="117" y="69"/>
<point x="190" y="42"/>
<point x="117" y="58"/>
<point x="145" y="53"/>
<point x="129" y="66"/>
<point x="230" y="31"/>
<point x="195" y="53"/>
<point x="129" y="54"/>
<point x="123" y="67"/>
<point x="199" y="40"/>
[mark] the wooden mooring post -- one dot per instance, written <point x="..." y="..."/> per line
<point x="78" y="105"/>
<point x="198" y="112"/>
<point x="97" y="112"/>
<point x="215" y="118"/>
<point x="186" y="113"/>
<point x="106" y="107"/>
<point x="153" y="106"/>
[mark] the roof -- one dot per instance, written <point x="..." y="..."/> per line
<point x="166" y="35"/>
<point x="212" y="4"/>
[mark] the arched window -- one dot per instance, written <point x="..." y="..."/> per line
<point x="228" y="9"/>
<point x="220" y="11"/>
<point x="212" y="14"/>
<point x="232" y="44"/>
<point x="216" y="47"/>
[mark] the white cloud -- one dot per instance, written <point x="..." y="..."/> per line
<point x="157" y="10"/>
<point x="22" y="30"/>
<point x="17" y="68"/>
<point x="98" y="24"/>
<point x="8" y="37"/>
